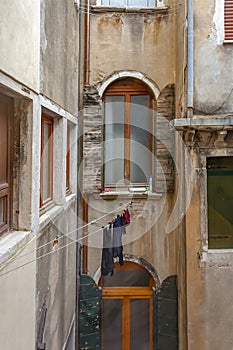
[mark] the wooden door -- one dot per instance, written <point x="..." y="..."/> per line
<point x="127" y="310"/>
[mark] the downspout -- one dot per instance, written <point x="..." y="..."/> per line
<point x="190" y="60"/>
<point x="79" y="159"/>
<point x="87" y="49"/>
<point x="86" y="82"/>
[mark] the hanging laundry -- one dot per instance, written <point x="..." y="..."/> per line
<point x="107" y="262"/>
<point x="117" y="239"/>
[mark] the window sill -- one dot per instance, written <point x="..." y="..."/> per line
<point x="228" y="42"/>
<point x="11" y="243"/>
<point x="217" y="255"/>
<point x="52" y="213"/>
<point x="104" y="9"/>
<point x="129" y="194"/>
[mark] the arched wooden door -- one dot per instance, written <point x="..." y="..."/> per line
<point x="127" y="308"/>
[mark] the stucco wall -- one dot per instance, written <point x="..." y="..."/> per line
<point x="17" y="302"/>
<point x="213" y="67"/>
<point x="20" y="41"/>
<point x="145" y="237"/>
<point x="56" y="277"/>
<point x="59" y="53"/>
<point x="141" y="42"/>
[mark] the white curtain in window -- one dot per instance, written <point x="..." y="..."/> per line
<point x="114" y="139"/>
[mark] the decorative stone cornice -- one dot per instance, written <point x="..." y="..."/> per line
<point x="206" y="132"/>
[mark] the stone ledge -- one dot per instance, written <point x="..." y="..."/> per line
<point x="106" y="9"/>
<point x="204" y="122"/>
<point x="128" y="194"/>
<point x="11" y="243"/>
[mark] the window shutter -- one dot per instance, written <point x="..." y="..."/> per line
<point x="166" y="316"/>
<point x="228" y="20"/>
<point x="89" y="314"/>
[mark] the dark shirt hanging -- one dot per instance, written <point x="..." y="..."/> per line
<point x="107" y="262"/>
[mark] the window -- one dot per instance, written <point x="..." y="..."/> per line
<point x="220" y="202"/>
<point x="129" y="3"/>
<point x="46" y="175"/>
<point x="228" y="20"/>
<point x="128" y="137"/>
<point x="5" y="161"/>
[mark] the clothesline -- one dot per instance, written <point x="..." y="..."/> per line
<point x="62" y="236"/>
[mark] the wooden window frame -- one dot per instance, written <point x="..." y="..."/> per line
<point x="68" y="160"/>
<point x="49" y="201"/>
<point x="126" y="294"/>
<point x="228" y="21"/>
<point x="127" y="88"/>
<point x="6" y="188"/>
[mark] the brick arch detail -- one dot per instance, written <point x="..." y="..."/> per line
<point x="140" y="261"/>
<point x="101" y="87"/>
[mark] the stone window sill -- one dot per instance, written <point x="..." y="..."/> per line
<point x="129" y="194"/>
<point x="104" y="9"/>
<point x="52" y="213"/>
<point x="218" y="256"/>
<point x="11" y="243"/>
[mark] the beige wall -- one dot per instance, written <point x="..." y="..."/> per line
<point x="213" y="60"/>
<point x="20" y="41"/>
<point x="17" y="302"/>
<point x="59" y="53"/>
<point x="139" y="42"/>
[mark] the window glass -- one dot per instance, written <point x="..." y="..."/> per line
<point x="220" y="202"/>
<point x="112" y="324"/>
<point x="114" y="139"/>
<point x="140" y="138"/>
<point x="46" y="160"/>
<point x="140" y="326"/>
<point x="127" y="278"/>
<point x="128" y="136"/>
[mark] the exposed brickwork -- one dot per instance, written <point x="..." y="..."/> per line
<point x="93" y="137"/>
<point x="92" y="141"/>
<point x="164" y="144"/>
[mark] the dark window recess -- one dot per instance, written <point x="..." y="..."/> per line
<point x="220" y="202"/>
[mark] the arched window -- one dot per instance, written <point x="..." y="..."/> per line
<point x="127" y="133"/>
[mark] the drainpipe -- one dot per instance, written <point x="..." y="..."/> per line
<point x="79" y="158"/>
<point x="87" y="51"/>
<point x="190" y="60"/>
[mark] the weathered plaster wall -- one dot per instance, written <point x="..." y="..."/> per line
<point x="181" y="59"/>
<point x="20" y="41"/>
<point x="17" y="303"/>
<point x="141" y="42"/>
<point x="213" y="67"/>
<point x="59" y="53"/>
<point x="56" y="277"/>
<point x="146" y="235"/>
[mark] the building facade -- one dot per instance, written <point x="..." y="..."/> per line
<point x="39" y="81"/>
<point x="157" y="121"/>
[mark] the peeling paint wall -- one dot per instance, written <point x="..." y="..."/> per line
<point x="20" y="52"/>
<point x="56" y="277"/>
<point x="143" y="42"/>
<point x="59" y="53"/>
<point x="213" y="67"/>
